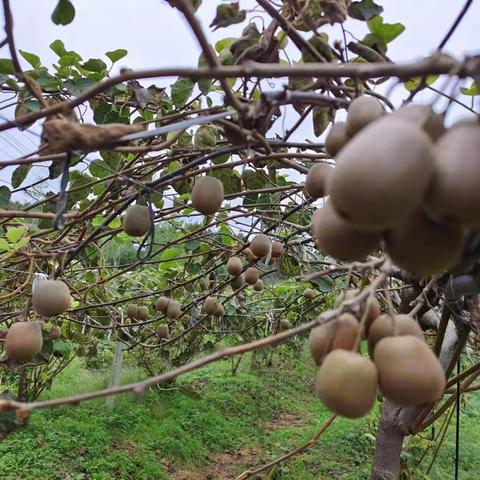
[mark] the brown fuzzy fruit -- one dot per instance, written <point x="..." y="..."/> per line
<point x="316" y="180"/>
<point x="234" y="266"/>
<point x="237" y="282"/>
<point x="163" y="332"/>
<point x="220" y="312"/>
<point x="309" y="294"/>
<point x="161" y="304"/>
<point x="337" y="137"/>
<point x="371" y="304"/>
<point x="424" y="117"/>
<point x="284" y="324"/>
<point x="409" y="372"/>
<point x="51" y="297"/>
<point x="131" y="310"/>
<point x="382" y="174"/>
<point x="250" y="256"/>
<point x="173" y="309"/>
<point x="260" y="245"/>
<point x="23" y="341"/>
<point x="424" y="247"/>
<point x="55" y="333"/>
<point x="454" y="195"/>
<point x="143" y="313"/>
<point x="339" y="333"/>
<point x="207" y="195"/>
<point x="346" y="383"/>
<point x="383" y="327"/>
<point x="258" y="287"/>
<point x="362" y="111"/>
<point x="252" y="275"/>
<point x="277" y="249"/>
<point x="338" y="238"/>
<point x="210" y="306"/>
<point x="204" y="283"/>
<point x="136" y="221"/>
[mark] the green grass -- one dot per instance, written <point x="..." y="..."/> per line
<point x="208" y="411"/>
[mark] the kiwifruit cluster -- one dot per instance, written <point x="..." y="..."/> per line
<point x="207" y="195"/>
<point x="252" y="275"/>
<point x="171" y="308"/>
<point x="402" y="366"/>
<point x="234" y="266"/>
<point x="136" y="312"/>
<point x="163" y="332"/>
<point x="211" y="306"/>
<point x="258" y="287"/>
<point x="55" y="332"/>
<point x="51" y="297"/>
<point x="309" y="294"/>
<point x="316" y="180"/>
<point x="24" y="340"/>
<point x="260" y="245"/>
<point x="401" y="179"/>
<point x="136" y="221"/>
<point x="284" y="324"/>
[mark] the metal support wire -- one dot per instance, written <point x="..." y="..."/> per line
<point x="59" y="220"/>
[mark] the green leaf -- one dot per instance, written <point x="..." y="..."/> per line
<point x="5" y="195"/>
<point x="221" y="159"/>
<point x="19" y="175"/>
<point x="253" y="180"/>
<point x="205" y="84"/>
<point x="413" y="83"/>
<point x="116" y="55"/>
<point x="31" y="58"/>
<point x="69" y="59"/>
<point x="386" y="31"/>
<point x="364" y="10"/>
<point x="98" y="169"/>
<point x="205" y="136"/>
<point x="14" y="234"/>
<point x="78" y="85"/>
<point x="228" y="14"/>
<point x="181" y="91"/>
<point x="230" y="179"/>
<point x="4" y="245"/>
<point x="58" y="47"/>
<point x="472" y="91"/>
<point x="64" y="13"/>
<point x="95" y="65"/>
<point x="321" y="119"/>
<point x="224" y="43"/>
<point x="6" y="66"/>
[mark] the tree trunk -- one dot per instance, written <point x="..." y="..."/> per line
<point x="395" y="422"/>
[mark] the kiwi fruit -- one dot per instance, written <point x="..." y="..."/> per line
<point x="339" y="333"/>
<point x="163" y="332"/>
<point x="210" y="305"/>
<point x="260" y="245"/>
<point x="454" y="196"/>
<point x="237" y="282"/>
<point x="252" y="275"/>
<point x="384" y="325"/>
<point x="284" y="324"/>
<point x="409" y="372"/>
<point x="250" y="256"/>
<point x="309" y="294"/>
<point x="382" y="174"/>
<point x="24" y="340"/>
<point x="422" y="246"/>
<point x="422" y="116"/>
<point x="161" y="304"/>
<point x="316" y="180"/>
<point x="346" y="383"/>
<point x="204" y="283"/>
<point x="370" y="304"/>
<point x="51" y="297"/>
<point x="55" y="333"/>
<point x="234" y="266"/>
<point x="277" y="249"/>
<point x="207" y="195"/>
<point x="362" y="111"/>
<point x="220" y="312"/>
<point x="258" y="287"/>
<point x="137" y="221"/>
<point x="131" y="310"/>
<point x="173" y="309"/>
<point x="337" y="237"/>
<point x="143" y="313"/>
<point x="337" y="137"/>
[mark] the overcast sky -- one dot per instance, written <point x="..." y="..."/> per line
<point x="155" y="35"/>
